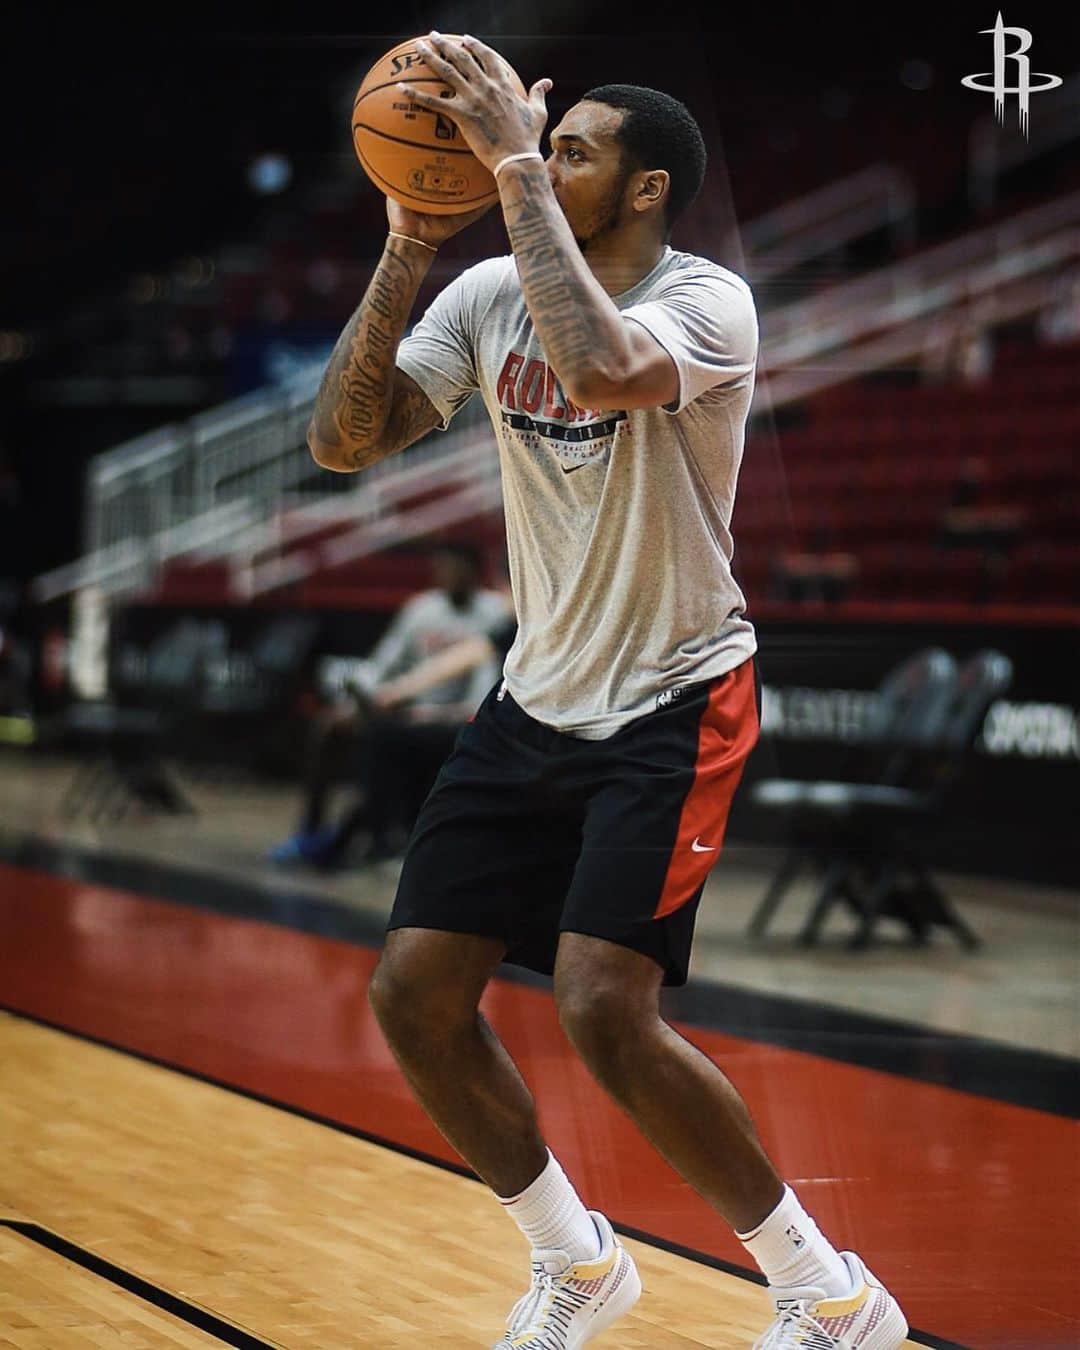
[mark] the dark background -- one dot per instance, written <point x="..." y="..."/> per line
<point x="127" y="143"/>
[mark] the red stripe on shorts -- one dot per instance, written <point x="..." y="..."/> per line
<point x="727" y="732"/>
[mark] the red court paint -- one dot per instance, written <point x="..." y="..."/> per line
<point x="964" y="1206"/>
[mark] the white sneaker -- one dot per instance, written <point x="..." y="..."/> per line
<point x="569" y="1303"/>
<point x="868" y="1319"/>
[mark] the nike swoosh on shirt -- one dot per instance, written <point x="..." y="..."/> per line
<point x="699" y="847"/>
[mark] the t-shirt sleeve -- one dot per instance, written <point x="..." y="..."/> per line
<point x="439" y="353"/>
<point x="708" y="326"/>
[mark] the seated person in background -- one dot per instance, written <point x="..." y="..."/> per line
<point x="403" y="757"/>
<point x="457" y="607"/>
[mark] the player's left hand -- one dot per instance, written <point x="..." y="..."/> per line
<point x="492" y="116"/>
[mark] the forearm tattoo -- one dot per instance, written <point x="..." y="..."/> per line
<point x="354" y="399"/>
<point x="576" y="322"/>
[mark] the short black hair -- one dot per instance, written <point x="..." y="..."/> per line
<point x="659" y="132"/>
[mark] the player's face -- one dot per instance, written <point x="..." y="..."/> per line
<point x="588" y="172"/>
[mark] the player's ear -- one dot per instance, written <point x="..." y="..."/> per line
<point x="651" y="189"/>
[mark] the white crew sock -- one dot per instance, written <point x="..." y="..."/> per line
<point x="551" y="1215"/>
<point x="791" y="1250"/>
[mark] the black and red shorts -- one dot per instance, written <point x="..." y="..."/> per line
<point x="529" y="832"/>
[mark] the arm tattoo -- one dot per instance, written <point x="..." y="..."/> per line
<point x="411" y="416"/>
<point x="578" y="325"/>
<point x="355" y="398"/>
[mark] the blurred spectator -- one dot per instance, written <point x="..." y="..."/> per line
<point x="456" y="608"/>
<point x="1059" y="318"/>
<point x="403" y="759"/>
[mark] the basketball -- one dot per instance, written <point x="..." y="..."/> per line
<point x="417" y="157"/>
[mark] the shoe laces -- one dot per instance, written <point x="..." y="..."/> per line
<point x="789" y="1331"/>
<point x="528" y="1308"/>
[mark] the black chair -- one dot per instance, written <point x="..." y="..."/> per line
<point x="125" y="746"/>
<point x="900" y="884"/>
<point x="243" y="716"/>
<point x="904" y="730"/>
<point x="123" y="765"/>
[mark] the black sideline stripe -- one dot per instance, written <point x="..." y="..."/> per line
<point x="190" y="1313"/>
<point x="1034" y="1079"/>
<point x="417" y="1155"/>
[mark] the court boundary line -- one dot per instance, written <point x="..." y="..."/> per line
<point x="229" y="1333"/>
<point x="959" y="1061"/>
<point x="700" y="1258"/>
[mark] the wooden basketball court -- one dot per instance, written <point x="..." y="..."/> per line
<point x="296" y="1234"/>
<point x="206" y="1142"/>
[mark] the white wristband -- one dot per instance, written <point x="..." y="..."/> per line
<point x="527" y="154"/>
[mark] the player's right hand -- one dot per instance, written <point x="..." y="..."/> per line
<point x="430" y="229"/>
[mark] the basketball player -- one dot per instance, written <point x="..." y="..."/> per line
<point x="572" y="828"/>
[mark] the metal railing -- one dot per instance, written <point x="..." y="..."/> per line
<point x="138" y="494"/>
<point x="992" y="280"/>
<point x="215" y="487"/>
<point x="881" y="197"/>
<point x="238" y="483"/>
<point x="866" y="352"/>
<point x="896" y="293"/>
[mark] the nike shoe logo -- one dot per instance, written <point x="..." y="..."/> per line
<point x="699" y="847"/>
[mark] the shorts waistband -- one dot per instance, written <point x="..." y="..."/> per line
<point x="525" y="728"/>
<point x="519" y="724"/>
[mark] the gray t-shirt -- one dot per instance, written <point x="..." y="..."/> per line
<point x="617" y="523"/>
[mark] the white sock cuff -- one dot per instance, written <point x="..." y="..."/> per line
<point x="791" y="1249"/>
<point x="550" y="1214"/>
<point x="788" y="1194"/>
<point x="552" y="1170"/>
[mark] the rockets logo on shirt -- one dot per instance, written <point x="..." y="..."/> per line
<point x="533" y="404"/>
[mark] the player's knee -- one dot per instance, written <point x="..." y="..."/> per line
<point x="600" y="1019"/>
<point x="398" y="996"/>
<point x="414" y="1003"/>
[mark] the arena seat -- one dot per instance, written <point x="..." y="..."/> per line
<point x="864" y="834"/>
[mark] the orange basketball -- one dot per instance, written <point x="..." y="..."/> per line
<point x="418" y="157"/>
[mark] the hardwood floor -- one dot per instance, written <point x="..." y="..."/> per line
<point x="302" y="1236"/>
